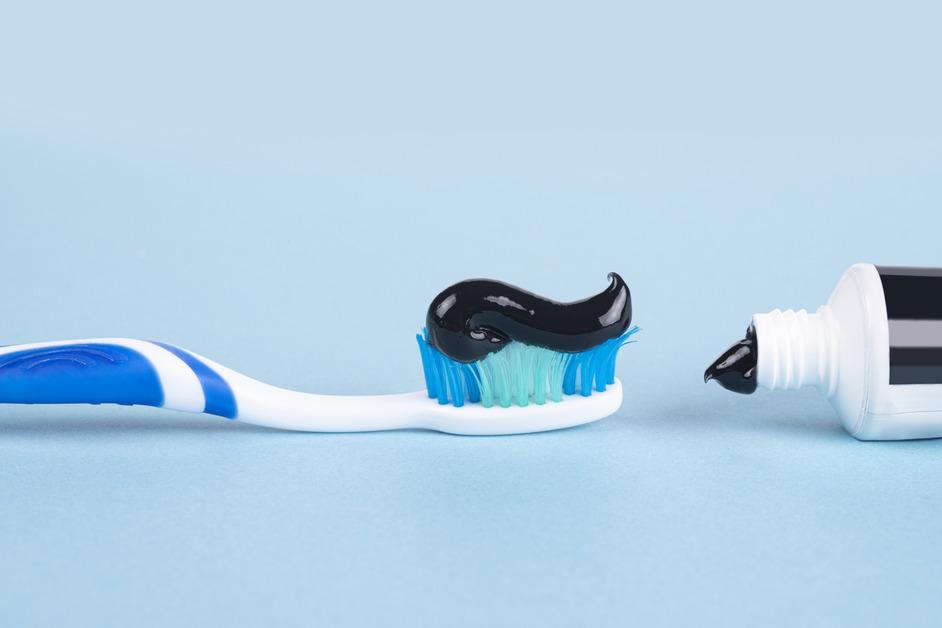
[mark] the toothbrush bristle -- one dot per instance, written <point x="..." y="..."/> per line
<point x="519" y="373"/>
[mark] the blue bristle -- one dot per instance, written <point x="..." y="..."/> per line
<point x="471" y="380"/>
<point x="431" y="374"/>
<point x="441" y="368"/>
<point x="572" y="369"/>
<point x="507" y="375"/>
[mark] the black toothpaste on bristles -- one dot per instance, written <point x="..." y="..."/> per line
<point x="489" y="342"/>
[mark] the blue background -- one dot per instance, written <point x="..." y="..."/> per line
<point x="246" y="179"/>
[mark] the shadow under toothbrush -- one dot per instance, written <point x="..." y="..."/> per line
<point x="83" y="426"/>
<point x="46" y="426"/>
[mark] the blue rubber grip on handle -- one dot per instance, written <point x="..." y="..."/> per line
<point x="79" y="373"/>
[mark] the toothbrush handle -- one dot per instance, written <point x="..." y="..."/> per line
<point x="113" y="370"/>
<point x="139" y="372"/>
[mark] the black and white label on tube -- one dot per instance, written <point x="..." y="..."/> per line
<point x="914" y="312"/>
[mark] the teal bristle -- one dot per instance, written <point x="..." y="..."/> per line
<point x="519" y="373"/>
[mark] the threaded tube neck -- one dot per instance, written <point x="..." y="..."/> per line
<point x="796" y="349"/>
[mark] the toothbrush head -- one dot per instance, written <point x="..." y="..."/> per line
<point x="491" y="343"/>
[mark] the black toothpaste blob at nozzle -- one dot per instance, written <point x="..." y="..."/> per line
<point x="735" y="369"/>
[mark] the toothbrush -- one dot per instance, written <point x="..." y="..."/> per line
<point x="496" y="358"/>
